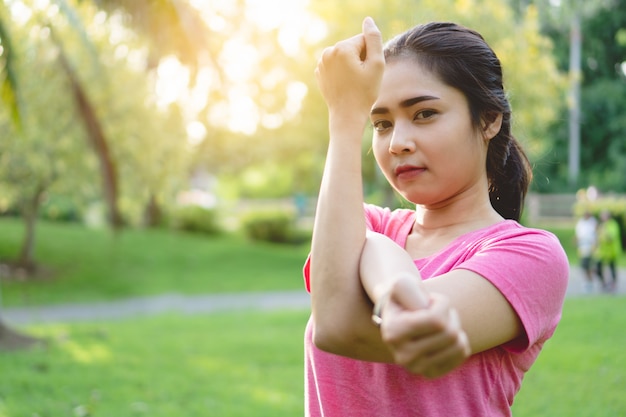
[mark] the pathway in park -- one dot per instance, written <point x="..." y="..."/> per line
<point x="203" y="304"/>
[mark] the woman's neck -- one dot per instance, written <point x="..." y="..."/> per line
<point x="455" y="218"/>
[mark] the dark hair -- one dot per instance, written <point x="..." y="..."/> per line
<point x="462" y="59"/>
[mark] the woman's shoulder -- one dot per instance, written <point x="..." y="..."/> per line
<point x="511" y="240"/>
<point x="511" y="229"/>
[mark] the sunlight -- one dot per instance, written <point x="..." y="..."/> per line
<point x="19" y="12"/>
<point x="93" y="353"/>
<point x="172" y="81"/>
<point x="240" y="62"/>
<point x="239" y="59"/>
<point x="243" y="114"/>
<point x="196" y="132"/>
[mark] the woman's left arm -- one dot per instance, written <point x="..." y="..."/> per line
<point x="431" y="327"/>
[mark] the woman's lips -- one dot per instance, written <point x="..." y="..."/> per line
<point x="408" y="172"/>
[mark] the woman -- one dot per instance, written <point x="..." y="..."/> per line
<point x="463" y="296"/>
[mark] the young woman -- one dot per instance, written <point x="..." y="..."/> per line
<point x="464" y="297"/>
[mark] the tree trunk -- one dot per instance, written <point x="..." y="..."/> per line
<point x="574" y="100"/>
<point x="152" y="214"/>
<point x="98" y="141"/>
<point x="29" y="214"/>
<point x="11" y="339"/>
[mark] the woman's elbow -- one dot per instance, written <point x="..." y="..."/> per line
<point x="332" y="338"/>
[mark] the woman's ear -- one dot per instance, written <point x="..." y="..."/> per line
<point x="492" y="123"/>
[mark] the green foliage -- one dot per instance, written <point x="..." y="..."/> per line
<point x="262" y="181"/>
<point x="616" y="205"/>
<point x="275" y="225"/>
<point x="604" y="133"/>
<point x="603" y="95"/>
<point x="197" y="219"/>
<point x="48" y="152"/>
<point x="60" y="209"/>
<point x="8" y="76"/>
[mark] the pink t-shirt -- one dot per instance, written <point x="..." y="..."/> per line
<point x="530" y="269"/>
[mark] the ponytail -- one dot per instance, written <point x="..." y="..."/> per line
<point x="509" y="174"/>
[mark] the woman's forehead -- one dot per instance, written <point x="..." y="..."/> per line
<point x="404" y="79"/>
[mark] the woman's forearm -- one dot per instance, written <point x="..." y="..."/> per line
<point x="349" y="75"/>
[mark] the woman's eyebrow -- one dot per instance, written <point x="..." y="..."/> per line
<point x="404" y="104"/>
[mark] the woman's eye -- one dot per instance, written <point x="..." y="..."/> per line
<point x="381" y="125"/>
<point x="424" y="114"/>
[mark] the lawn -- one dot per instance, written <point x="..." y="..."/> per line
<point x="247" y="363"/>
<point x="237" y="365"/>
<point x="582" y="370"/>
<point x="93" y="265"/>
<point x="250" y="364"/>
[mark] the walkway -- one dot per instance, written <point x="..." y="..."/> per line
<point x="199" y="304"/>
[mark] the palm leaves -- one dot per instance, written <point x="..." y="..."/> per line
<point x="8" y="78"/>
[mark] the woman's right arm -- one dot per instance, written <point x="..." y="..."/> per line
<point x="349" y="76"/>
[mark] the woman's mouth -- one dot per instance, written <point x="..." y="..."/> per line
<point x="408" y="172"/>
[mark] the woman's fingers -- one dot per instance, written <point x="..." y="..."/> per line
<point x="373" y="43"/>
<point x="349" y="73"/>
<point x="429" y="342"/>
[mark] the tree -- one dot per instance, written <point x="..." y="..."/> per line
<point x="603" y="126"/>
<point x="35" y="158"/>
<point x="602" y="83"/>
<point x="36" y="154"/>
<point x="185" y="37"/>
<point x="46" y="153"/>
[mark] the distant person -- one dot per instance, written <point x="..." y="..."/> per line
<point x="586" y="229"/>
<point x="608" y="250"/>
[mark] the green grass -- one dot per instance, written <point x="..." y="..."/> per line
<point x="238" y="364"/>
<point x="93" y="265"/>
<point x="250" y="364"/>
<point x="582" y="370"/>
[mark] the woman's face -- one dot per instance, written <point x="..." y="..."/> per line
<point x="424" y="140"/>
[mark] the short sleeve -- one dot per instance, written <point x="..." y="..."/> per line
<point x="396" y="224"/>
<point x="530" y="268"/>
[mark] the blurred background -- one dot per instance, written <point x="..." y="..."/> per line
<point x="152" y="147"/>
<point x="123" y="113"/>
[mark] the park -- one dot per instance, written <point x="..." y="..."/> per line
<point x="158" y="193"/>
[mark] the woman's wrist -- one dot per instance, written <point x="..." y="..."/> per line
<point x="347" y="122"/>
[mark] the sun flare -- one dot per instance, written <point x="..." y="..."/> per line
<point x="240" y="59"/>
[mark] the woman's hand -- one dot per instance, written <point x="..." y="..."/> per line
<point x="426" y="341"/>
<point x="349" y="73"/>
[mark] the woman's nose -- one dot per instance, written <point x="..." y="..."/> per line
<point x="401" y="141"/>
